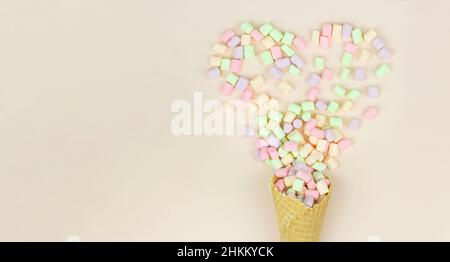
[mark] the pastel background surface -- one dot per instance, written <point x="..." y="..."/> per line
<point x="85" y="142"/>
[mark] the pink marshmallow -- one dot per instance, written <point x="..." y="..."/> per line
<point x="370" y="112"/>
<point x="256" y="35"/>
<point x="317" y="132"/>
<point x="313" y="93"/>
<point x="227" y="89"/>
<point x="324" y="42"/>
<point x="311" y="184"/>
<point x="276" y="52"/>
<point x="247" y="95"/>
<point x="327" y="74"/>
<point x="300" y="43"/>
<point x="327" y="182"/>
<point x="282" y="172"/>
<point x="261" y="143"/>
<point x="273" y="152"/>
<point x="236" y="65"/>
<point x="280" y="185"/>
<point x="263" y="154"/>
<point x="227" y="35"/>
<point x="313" y="193"/>
<point x="291" y="146"/>
<point x="351" y="48"/>
<point x="344" y="143"/>
<point x="303" y="175"/>
<point x="310" y="124"/>
<point x="326" y="30"/>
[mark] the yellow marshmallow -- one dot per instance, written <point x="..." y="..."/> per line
<point x="220" y="48"/>
<point x="267" y="42"/>
<point x="333" y="149"/>
<point x="331" y="163"/>
<point x="215" y="60"/>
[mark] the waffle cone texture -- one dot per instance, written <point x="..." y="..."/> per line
<point x="296" y="222"/>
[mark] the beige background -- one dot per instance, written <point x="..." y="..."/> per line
<point x="85" y="141"/>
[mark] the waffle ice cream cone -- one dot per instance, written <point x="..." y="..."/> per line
<point x="296" y="222"/>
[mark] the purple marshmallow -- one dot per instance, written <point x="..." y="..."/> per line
<point x="275" y="73"/>
<point x="373" y="91"/>
<point x="309" y="200"/>
<point x="234" y="41"/>
<point x="291" y="172"/>
<point x="299" y="165"/>
<point x="329" y="135"/>
<point x="282" y="62"/>
<point x="213" y="73"/>
<point x="239" y="52"/>
<point x="313" y="80"/>
<point x="347" y="30"/>
<point x="297" y="123"/>
<point x="378" y="43"/>
<point x="384" y="53"/>
<point x="287" y="127"/>
<point x="354" y="123"/>
<point x="321" y="105"/>
<point x="241" y="84"/>
<point x="297" y="61"/>
<point x="360" y="74"/>
<point x="273" y="141"/>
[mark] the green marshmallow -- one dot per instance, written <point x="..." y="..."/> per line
<point x="306" y="116"/>
<point x="266" y="58"/>
<point x="295" y="136"/>
<point x="264" y="132"/>
<point x="339" y="90"/>
<point x="335" y="121"/>
<point x="276" y="163"/>
<point x="282" y="152"/>
<point x="383" y="70"/>
<point x="307" y="106"/>
<point x="262" y="121"/>
<point x="333" y="106"/>
<point x="319" y="166"/>
<point x="276" y="35"/>
<point x="249" y="52"/>
<point x="288" y="37"/>
<point x="295" y="108"/>
<point x="298" y="185"/>
<point x="266" y="28"/>
<point x="290" y="190"/>
<point x="353" y="94"/>
<point x="232" y="78"/>
<point x="247" y="27"/>
<point x="345" y="73"/>
<point x="293" y="70"/>
<point x="225" y="64"/>
<point x="319" y="63"/>
<point x="347" y="59"/>
<point x="278" y="132"/>
<point x="300" y="159"/>
<point x="287" y="50"/>
<point x="317" y="176"/>
<point x="275" y="116"/>
<point x="357" y="36"/>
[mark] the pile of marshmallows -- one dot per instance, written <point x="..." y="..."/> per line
<point x="302" y="143"/>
